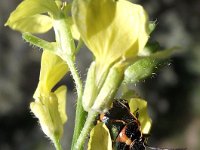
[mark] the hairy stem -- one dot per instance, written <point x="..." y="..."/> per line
<point x="80" y="113"/>
<point x="67" y="45"/>
<point x="86" y="130"/>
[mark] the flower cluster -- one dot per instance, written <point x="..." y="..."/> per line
<point x="116" y="32"/>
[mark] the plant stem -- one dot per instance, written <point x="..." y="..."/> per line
<point x="80" y="113"/>
<point x="79" y="123"/>
<point x="64" y="37"/>
<point x="86" y="129"/>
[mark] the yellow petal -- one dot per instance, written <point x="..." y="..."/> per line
<point x="100" y="138"/>
<point x="46" y="109"/>
<point x="53" y="107"/>
<point x="53" y="68"/>
<point x="61" y="95"/>
<point x="42" y="114"/>
<point x="27" y="14"/>
<point x="33" y="24"/>
<point x="111" y="29"/>
<point x="145" y="120"/>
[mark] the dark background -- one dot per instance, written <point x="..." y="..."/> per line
<point x="173" y="94"/>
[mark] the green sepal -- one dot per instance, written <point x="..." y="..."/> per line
<point x="90" y="91"/>
<point x="109" y="88"/>
<point x="26" y="18"/>
<point x="141" y="105"/>
<point x="152" y="26"/>
<point x="100" y="138"/>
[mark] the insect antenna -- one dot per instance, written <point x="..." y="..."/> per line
<point x="157" y="148"/>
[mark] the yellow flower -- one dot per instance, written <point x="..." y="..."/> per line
<point x="116" y="33"/>
<point x="112" y="30"/>
<point x="49" y="106"/>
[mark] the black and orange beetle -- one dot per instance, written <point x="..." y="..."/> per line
<point x="125" y="128"/>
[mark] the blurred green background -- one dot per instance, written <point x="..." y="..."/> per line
<point x="173" y="93"/>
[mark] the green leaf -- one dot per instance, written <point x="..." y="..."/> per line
<point x="145" y="120"/>
<point x="28" y="12"/>
<point x="100" y="138"/>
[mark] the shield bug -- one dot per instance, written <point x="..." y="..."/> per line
<point x="125" y="128"/>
